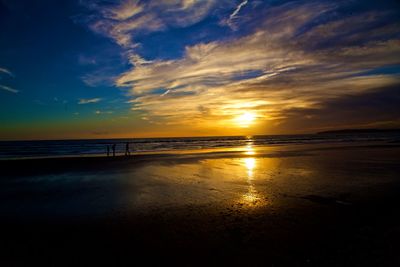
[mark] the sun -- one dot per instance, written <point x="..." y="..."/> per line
<point x="246" y="119"/>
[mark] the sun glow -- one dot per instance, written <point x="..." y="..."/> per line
<point x="246" y="119"/>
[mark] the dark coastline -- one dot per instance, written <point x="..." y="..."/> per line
<point x="304" y="229"/>
<point x="362" y="131"/>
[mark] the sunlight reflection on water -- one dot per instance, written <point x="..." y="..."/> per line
<point x="249" y="150"/>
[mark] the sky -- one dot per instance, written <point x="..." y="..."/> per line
<point x="111" y="69"/>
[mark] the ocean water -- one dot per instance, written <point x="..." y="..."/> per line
<point x="59" y="148"/>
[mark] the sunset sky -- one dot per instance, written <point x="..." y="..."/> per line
<point x="101" y="69"/>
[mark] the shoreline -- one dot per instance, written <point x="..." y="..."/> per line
<point x="43" y="165"/>
<point x="51" y="165"/>
<point x="231" y="149"/>
<point x="97" y="148"/>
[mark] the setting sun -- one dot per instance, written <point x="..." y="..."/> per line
<point x="245" y="119"/>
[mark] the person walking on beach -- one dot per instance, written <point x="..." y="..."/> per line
<point x="108" y="150"/>
<point x="113" y="149"/>
<point x="127" y="151"/>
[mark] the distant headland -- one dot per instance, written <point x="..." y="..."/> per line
<point x="361" y="131"/>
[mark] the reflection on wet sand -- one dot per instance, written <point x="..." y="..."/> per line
<point x="261" y="205"/>
<point x="249" y="150"/>
<point x="251" y="198"/>
<point x="247" y="179"/>
<point x="249" y="163"/>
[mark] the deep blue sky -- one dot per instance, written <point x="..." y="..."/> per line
<point x="43" y="47"/>
<point x="92" y="69"/>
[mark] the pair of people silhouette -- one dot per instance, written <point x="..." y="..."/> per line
<point x="113" y="147"/>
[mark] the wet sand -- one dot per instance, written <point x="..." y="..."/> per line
<point x="299" y="205"/>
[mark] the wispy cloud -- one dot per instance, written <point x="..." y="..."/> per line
<point x="88" y="100"/>
<point x="268" y="71"/>
<point x="98" y="112"/>
<point x="299" y="57"/>
<point x="124" y="11"/>
<point x="123" y="21"/>
<point x="85" y="60"/>
<point x="9" y="89"/>
<point x="5" y="87"/>
<point x="99" y="77"/>
<point x="242" y="4"/>
<point x="233" y="15"/>
<point x="6" y="71"/>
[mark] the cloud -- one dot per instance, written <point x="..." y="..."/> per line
<point x="122" y="21"/>
<point x="165" y="93"/>
<point x="349" y="111"/>
<point x="233" y="15"/>
<point x="85" y="60"/>
<point x="98" y="112"/>
<point x="6" y="71"/>
<point x="99" y="77"/>
<point x="121" y="31"/>
<point x="242" y="4"/>
<point x="5" y="87"/>
<point x="270" y="70"/>
<point x="125" y="20"/>
<point x="301" y="56"/>
<point x="124" y="11"/>
<point x="9" y="89"/>
<point x="88" y="100"/>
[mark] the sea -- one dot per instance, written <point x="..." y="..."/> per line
<point x="92" y="147"/>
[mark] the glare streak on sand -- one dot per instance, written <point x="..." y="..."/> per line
<point x="251" y="198"/>
<point x="249" y="150"/>
<point x="250" y="164"/>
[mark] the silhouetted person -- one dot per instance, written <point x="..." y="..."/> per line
<point x="108" y="150"/>
<point x="127" y="152"/>
<point x="113" y="149"/>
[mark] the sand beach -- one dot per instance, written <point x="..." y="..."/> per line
<point x="297" y="205"/>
